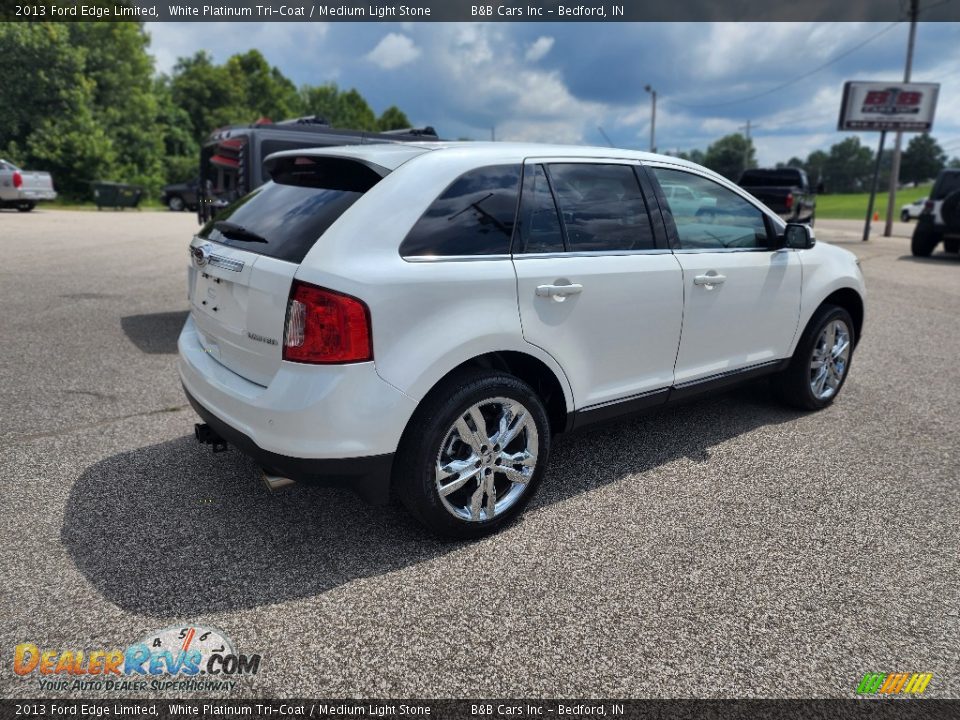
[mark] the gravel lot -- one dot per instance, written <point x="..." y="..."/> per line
<point x="725" y="548"/>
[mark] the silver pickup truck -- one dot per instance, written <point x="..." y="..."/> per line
<point x="21" y="189"/>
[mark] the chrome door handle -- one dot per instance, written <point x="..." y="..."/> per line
<point x="709" y="279"/>
<point x="559" y="292"/>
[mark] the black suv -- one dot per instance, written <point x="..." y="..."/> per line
<point x="231" y="161"/>
<point x="940" y="219"/>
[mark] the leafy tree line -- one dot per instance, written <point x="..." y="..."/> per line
<point x="83" y="101"/>
<point x="846" y="167"/>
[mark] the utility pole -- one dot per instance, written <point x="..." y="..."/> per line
<point x="653" y="117"/>
<point x="746" y="147"/>
<point x="895" y="166"/>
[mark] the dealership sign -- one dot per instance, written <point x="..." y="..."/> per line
<point x="907" y="107"/>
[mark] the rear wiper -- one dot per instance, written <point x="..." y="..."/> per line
<point x="237" y="232"/>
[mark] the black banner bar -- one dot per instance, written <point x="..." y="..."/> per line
<point x="471" y="11"/>
<point x="873" y="709"/>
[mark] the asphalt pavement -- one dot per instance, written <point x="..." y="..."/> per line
<point x="726" y="548"/>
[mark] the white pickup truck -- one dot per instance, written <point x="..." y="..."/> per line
<point x="21" y="189"/>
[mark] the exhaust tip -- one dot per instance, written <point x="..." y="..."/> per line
<point x="275" y="482"/>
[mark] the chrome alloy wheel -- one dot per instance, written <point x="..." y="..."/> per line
<point x="487" y="459"/>
<point x="830" y="360"/>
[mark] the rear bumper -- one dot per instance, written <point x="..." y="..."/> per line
<point x="38" y="195"/>
<point x="369" y="477"/>
<point x="339" y="424"/>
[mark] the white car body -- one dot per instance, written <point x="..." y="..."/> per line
<point x="644" y="327"/>
<point x="911" y="211"/>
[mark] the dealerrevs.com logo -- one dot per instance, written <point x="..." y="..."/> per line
<point x="188" y="659"/>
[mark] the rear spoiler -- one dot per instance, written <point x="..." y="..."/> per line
<point x="327" y="171"/>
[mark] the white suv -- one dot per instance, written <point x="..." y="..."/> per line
<point x="420" y="320"/>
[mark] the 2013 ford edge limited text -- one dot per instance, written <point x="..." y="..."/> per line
<point x="422" y="319"/>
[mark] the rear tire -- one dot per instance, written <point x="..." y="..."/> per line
<point x="924" y="240"/>
<point x="821" y="362"/>
<point x="951" y="245"/>
<point x="175" y="203"/>
<point x="26" y="206"/>
<point x="445" y="479"/>
<point x="905" y="216"/>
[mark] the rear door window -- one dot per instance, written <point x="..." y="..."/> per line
<point x="539" y="230"/>
<point x="473" y="216"/>
<point x="602" y="207"/>
<point x="284" y="219"/>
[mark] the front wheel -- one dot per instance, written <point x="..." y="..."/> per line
<point x="905" y="216"/>
<point x="473" y="454"/>
<point x="821" y="362"/>
<point x="175" y="203"/>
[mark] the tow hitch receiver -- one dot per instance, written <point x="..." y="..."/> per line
<point x="206" y="435"/>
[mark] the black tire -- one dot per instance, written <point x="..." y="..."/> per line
<point x="924" y="240"/>
<point x="951" y="245"/>
<point x="176" y="203"/>
<point x="26" y="206"/>
<point x="905" y="216"/>
<point x="793" y="385"/>
<point x="430" y="432"/>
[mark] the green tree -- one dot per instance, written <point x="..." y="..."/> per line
<point x="922" y="159"/>
<point x="344" y="109"/>
<point x="695" y="156"/>
<point x="207" y="94"/>
<point x="955" y="163"/>
<point x="44" y="77"/>
<point x="814" y="166"/>
<point x="730" y="156"/>
<point x="124" y="103"/>
<point x="393" y="118"/>
<point x="264" y="90"/>
<point x="849" y="166"/>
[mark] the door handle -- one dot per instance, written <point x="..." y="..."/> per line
<point x="559" y="292"/>
<point x="709" y="279"/>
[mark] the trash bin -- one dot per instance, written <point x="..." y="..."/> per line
<point x="116" y="195"/>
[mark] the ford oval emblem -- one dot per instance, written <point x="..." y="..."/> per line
<point x="201" y="254"/>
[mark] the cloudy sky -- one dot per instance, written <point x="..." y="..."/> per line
<point x="559" y="82"/>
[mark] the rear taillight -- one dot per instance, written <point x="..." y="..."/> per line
<point x="325" y="327"/>
<point x="17" y="179"/>
<point x="789" y="201"/>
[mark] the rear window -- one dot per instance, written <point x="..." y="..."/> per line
<point x="291" y="214"/>
<point x="761" y="178"/>
<point x="949" y="182"/>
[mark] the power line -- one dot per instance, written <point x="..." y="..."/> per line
<point x="798" y="78"/>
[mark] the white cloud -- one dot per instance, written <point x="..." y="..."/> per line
<point x="539" y="49"/>
<point x="393" y="51"/>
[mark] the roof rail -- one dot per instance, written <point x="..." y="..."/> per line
<point x="305" y="120"/>
<point x="424" y="131"/>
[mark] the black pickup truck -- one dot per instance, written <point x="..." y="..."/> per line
<point x="786" y="191"/>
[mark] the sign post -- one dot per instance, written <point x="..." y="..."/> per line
<point x="900" y="107"/>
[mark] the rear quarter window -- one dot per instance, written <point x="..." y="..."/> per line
<point x="475" y="215"/>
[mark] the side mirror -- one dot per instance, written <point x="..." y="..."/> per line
<point x="799" y="237"/>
